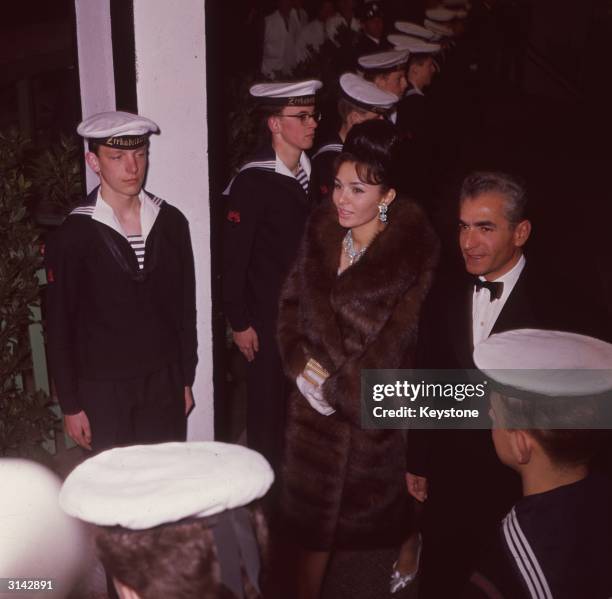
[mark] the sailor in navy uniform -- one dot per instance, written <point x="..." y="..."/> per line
<point x="371" y="38"/>
<point x="414" y="115"/>
<point x="359" y="101"/>
<point x="386" y="70"/>
<point x="120" y="303"/>
<point x="268" y="204"/>
<point x="557" y="540"/>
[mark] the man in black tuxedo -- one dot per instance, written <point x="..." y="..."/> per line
<point x="466" y="490"/>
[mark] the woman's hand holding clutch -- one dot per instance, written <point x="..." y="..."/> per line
<point x="309" y="383"/>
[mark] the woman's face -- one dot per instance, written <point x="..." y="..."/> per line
<point x="356" y="201"/>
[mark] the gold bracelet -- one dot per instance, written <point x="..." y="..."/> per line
<point x="313" y="365"/>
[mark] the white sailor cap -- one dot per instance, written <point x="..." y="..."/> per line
<point x="384" y="61"/>
<point x="439" y="28"/>
<point x="117" y="129"/>
<point x="37" y="539"/>
<point x="416" y="30"/>
<point x="413" y="44"/>
<point x="295" y="93"/>
<point x="441" y="14"/>
<point x="546" y="363"/>
<point x="366" y="95"/>
<point x="144" y="486"/>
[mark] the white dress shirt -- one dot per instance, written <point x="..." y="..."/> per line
<point x="484" y="311"/>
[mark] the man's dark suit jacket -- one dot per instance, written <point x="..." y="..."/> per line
<point x="469" y="489"/>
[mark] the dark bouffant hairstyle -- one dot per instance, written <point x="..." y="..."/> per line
<point x="372" y="146"/>
<point x="172" y="560"/>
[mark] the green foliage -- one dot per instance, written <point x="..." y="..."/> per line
<point x="25" y="417"/>
<point x="56" y="175"/>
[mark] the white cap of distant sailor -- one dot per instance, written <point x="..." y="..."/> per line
<point x="548" y="363"/>
<point x="117" y="129"/>
<point x="416" y="30"/>
<point x="439" y="28"/>
<point x="366" y="95"/>
<point x="37" y="539"/>
<point x="144" y="486"/>
<point x="295" y="93"/>
<point x="413" y="44"/>
<point x="382" y="61"/>
<point x="442" y="14"/>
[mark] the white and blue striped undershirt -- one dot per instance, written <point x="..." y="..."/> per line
<point x="302" y="178"/>
<point x="138" y="245"/>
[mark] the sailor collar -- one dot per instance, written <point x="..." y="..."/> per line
<point x="102" y="212"/>
<point x="334" y="145"/>
<point x="274" y="165"/>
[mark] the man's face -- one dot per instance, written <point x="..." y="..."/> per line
<point x="295" y="125"/>
<point x="394" y="82"/>
<point x="374" y="26"/>
<point x="121" y="171"/>
<point x="421" y="75"/>
<point x="490" y="244"/>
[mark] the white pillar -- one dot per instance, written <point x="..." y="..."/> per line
<point x="95" y="50"/>
<point x="171" y="89"/>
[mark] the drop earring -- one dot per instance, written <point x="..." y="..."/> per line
<point x="382" y="212"/>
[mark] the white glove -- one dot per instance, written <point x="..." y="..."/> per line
<point x="313" y="395"/>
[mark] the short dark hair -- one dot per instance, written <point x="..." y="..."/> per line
<point x="511" y="188"/>
<point x="372" y="146"/>
<point x="345" y="107"/>
<point x="417" y="59"/>
<point x="172" y="560"/>
<point x="564" y="446"/>
<point x="93" y="146"/>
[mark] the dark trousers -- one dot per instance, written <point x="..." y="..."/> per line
<point x="148" y="409"/>
<point x="266" y="399"/>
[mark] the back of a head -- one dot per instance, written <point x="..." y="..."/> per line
<point x="555" y="384"/>
<point x="173" y="560"/>
<point x="174" y="518"/>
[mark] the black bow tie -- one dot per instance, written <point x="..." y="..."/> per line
<point x="496" y="288"/>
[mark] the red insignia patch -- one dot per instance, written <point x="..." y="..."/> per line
<point x="50" y="276"/>
<point x="324" y="189"/>
<point x="233" y="216"/>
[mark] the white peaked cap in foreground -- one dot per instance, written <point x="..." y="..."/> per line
<point x="144" y="486"/>
<point x="552" y="363"/>
<point x="413" y="44"/>
<point x="106" y="125"/>
<point x="416" y="30"/>
<point x="366" y="94"/>
<point x="383" y="60"/>
<point x="294" y="93"/>
<point x="37" y="539"/>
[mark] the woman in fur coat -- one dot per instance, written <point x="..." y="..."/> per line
<point x="351" y="302"/>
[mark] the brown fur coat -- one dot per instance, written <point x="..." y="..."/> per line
<point x="343" y="486"/>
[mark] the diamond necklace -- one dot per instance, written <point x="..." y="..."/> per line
<point x="349" y="248"/>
